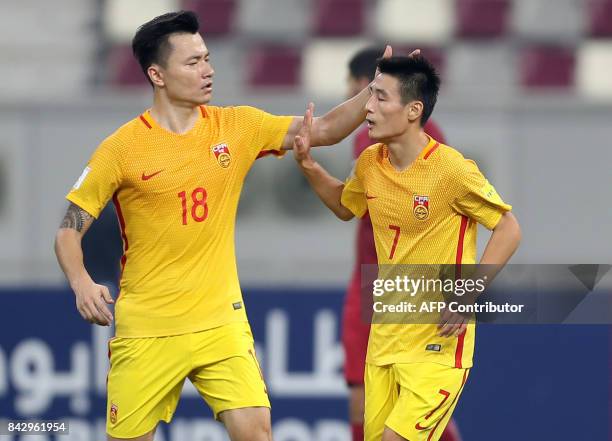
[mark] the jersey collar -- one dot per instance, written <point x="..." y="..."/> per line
<point x="431" y="146"/>
<point x="150" y="123"/>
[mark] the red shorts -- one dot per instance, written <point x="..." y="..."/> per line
<point x="355" y="332"/>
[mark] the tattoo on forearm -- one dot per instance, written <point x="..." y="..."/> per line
<point x="75" y="218"/>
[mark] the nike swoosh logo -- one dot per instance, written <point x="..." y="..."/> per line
<point x="370" y="197"/>
<point x="418" y="427"/>
<point x="147" y="177"/>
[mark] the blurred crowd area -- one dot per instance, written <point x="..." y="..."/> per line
<point x="505" y="46"/>
<point x="526" y="93"/>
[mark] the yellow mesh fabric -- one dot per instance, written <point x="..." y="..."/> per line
<point x="425" y="214"/>
<point x="176" y="197"/>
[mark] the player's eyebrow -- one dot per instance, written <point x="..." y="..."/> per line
<point x="378" y="91"/>
<point x="199" y="56"/>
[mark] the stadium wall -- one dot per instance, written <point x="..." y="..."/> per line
<point x="528" y="382"/>
<point x="548" y="156"/>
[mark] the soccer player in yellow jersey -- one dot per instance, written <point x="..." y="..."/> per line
<point x="425" y="201"/>
<point x="175" y="174"/>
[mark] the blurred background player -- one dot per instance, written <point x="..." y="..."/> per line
<point x="175" y="174"/>
<point x="356" y="319"/>
<point x="425" y="200"/>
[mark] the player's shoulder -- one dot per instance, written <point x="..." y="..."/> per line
<point x="230" y="116"/>
<point x="126" y="134"/>
<point x="233" y="111"/>
<point x="454" y="162"/>
<point x="450" y="154"/>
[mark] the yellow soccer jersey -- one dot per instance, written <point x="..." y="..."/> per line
<point x="425" y="214"/>
<point x="176" y="198"/>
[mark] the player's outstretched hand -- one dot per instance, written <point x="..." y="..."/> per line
<point x="91" y="300"/>
<point x="389" y="53"/>
<point x="301" y="143"/>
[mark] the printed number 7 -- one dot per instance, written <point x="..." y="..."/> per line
<point x="395" y="240"/>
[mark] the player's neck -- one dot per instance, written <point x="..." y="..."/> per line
<point x="404" y="150"/>
<point x="174" y="117"/>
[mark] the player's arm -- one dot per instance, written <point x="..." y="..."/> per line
<point x="503" y="243"/>
<point x="328" y="188"/>
<point x="91" y="298"/>
<point x="336" y="124"/>
<point x="480" y="202"/>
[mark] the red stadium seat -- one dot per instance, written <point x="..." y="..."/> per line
<point x="216" y="16"/>
<point x="600" y="18"/>
<point x="548" y="67"/>
<point x="274" y="66"/>
<point x="339" y="17"/>
<point x="124" y="70"/>
<point x="482" y="18"/>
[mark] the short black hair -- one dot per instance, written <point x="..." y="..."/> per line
<point x="150" y="43"/>
<point x="363" y="63"/>
<point x="418" y="80"/>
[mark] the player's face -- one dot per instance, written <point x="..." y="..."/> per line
<point x="188" y="74"/>
<point x="387" y="117"/>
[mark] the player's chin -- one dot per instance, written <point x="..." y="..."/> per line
<point x="203" y="97"/>
<point x="374" y="135"/>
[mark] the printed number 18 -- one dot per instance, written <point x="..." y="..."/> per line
<point x="198" y="197"/>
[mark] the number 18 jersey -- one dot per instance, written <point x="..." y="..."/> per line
<point x="176" y="198"/>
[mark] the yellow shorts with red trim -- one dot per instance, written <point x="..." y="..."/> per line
<point x="415" y="400"/>
<point x="147" y="375"/>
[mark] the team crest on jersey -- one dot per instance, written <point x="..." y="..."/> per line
<point x="420" y="207"/>
<point x="113" y="413"/>
<point x="222" y="154"/>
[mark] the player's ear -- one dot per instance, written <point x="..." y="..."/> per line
<point x="156" y="75"/>
<point x="414" y="110"/>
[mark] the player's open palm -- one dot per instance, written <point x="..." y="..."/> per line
<point x="91" y="300"/>
<point x="301" y="143"/>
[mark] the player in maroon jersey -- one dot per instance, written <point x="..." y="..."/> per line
<point x="356" y="321"/>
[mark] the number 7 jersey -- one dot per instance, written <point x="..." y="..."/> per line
<point x="425" y="214"/>
<point x="176" y="198"/>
